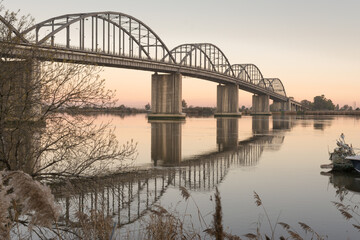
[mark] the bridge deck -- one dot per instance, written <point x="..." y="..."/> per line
<point x="108" y="60"/>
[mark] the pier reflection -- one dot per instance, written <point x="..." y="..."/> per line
<point x="165" y="142"/>
<point x="128" y="196"/>
<point x="227" y="133"/>
<point x="260" y="124"/>
<point x="283" y="122"/>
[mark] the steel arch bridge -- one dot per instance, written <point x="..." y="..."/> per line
<point x="116" y="39"/>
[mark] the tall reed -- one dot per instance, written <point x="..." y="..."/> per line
<point x="25" y="201"/>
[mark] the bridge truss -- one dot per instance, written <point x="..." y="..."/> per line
<point x="120" y="36"/>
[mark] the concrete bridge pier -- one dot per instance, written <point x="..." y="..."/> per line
<point x="279" y="106"/>
<point x="283" y="106"/>
<point x="227" y="101"/>
<point x="166" y="96"/>
<point x="289" y="106"/>
<point x="293" y="106"/>
<point x="260" y="105"/>
<point x="21" y="101"/>
<point x="20" y="108"/>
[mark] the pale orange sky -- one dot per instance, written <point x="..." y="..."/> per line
<point x="312" y="46"/>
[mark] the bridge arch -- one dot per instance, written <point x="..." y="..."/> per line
<point x="13" y="30"/>
<point x="108" y="32"/>
<point x="119" y="40"/>
<point x="277" y="86"/>
<point x="254" y="73"/>
<point x="240" y="72"/>
<point x="202" y="55"/>
<point x="249" y="73"/>
<point x="267" y="84"/>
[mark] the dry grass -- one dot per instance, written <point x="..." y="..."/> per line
<point x="350" y="213"/>
<point x="94" y="226"/>
<point x="291" y="233"/>
<point x="165" y="225"/>
<point x="21" y="194"/>
<point x="24" y="201"/>
<point x="217" y="221"/>
<point x="184" y="192"/>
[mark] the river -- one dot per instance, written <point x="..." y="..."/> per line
<point x="278" y="157"/>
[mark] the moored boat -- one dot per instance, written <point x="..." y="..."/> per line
<point x="355" y="160"/>
<point x="339" y="156"/>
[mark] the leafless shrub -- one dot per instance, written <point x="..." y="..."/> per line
<point x="34" y="136"/>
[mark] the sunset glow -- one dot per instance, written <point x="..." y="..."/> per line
<point x="312" y="46"/>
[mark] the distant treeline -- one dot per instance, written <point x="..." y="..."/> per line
<point x="333" y="112"/>
<point x="202" y="111"/>
<point x="122" y="109"/>
<point x="321" y="103"/>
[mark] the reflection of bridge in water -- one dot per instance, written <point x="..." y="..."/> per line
<point x="128" y="196"/>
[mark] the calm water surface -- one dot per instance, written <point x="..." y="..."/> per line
<point x="279" y="157"/>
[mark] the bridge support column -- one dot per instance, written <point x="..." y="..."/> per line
<point x="22" y="103"/>
<point x="20" y="108"/>
<point x="278" y="106"/>
<point x="166" y="96"/>
<point x="227" y="101"/>
<point x="282" y="106"/>
<point x="260" y="105"/>
<point x="290" y="107"/>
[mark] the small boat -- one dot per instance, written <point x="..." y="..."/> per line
<point x="355" y="160"/>
<point x="339" y="156"/>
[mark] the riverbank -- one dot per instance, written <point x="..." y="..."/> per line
<point x="332" y="112"/>
<point x="194" y="111"/>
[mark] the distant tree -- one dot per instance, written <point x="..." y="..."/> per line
<point x="321" y="103"/>
<point x="184" y="104"/>
<point x="122" y="107"/>
<point x="147" y="107"/>
<point x="346" y="108"/>
<point x="337" y="107"/>
<point x="307" y="103"/>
